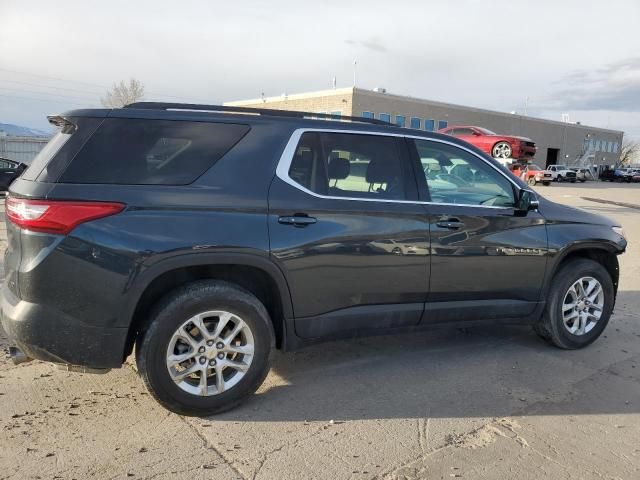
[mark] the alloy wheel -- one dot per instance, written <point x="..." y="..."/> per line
<point x="502" y="150"/>
<point x="582" y="306"/>
<point x="210" y="353"/>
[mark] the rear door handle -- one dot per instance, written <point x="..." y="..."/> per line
<point x="297" y="220"/>
<point x="450" y="223"/>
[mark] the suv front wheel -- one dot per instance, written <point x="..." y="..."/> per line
<point x="580" y="303"/>
<point x="206" y="347"/>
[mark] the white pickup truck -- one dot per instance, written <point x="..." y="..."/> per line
<point x="562" y="173"/>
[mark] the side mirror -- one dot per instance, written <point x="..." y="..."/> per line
<point x="527" y="201"/>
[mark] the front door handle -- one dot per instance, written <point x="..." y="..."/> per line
<point x="450" y="223"/>
<point x="297" y="220"/>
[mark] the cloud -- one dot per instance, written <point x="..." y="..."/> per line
<point x="370" y="44"/>
<point x="613" y="87"/>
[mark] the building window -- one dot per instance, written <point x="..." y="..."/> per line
<point x="610" y="147"/>
<point x="430" y="125"/>
<point x="598" y="146"/>
<point x="442" y="124"/>
<point x="385" y="117"/>
<point x="337" y="114"/>
<point x="368" y="115"/>
<point x="400" y="120"/>
<point x="415" y="123"/>
<point x="592" y="145"/>
<point x="615" y="147"/>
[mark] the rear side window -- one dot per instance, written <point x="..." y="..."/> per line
<point x="56" y="155"/>
<point x="349" y="165"/>
<point x="151" y="152"/>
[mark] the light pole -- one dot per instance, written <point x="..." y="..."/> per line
<point x="354" y="73"/>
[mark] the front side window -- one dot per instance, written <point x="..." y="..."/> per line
<point x="455" y="176"/>
<point x="415" y="123"/>
<point x="348" y="165"/>
<point x="7" y="164"/>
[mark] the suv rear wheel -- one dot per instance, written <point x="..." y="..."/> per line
<point x="206" y="347"/>
<point x="580" y="303"/>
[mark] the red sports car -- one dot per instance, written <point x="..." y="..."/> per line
<point x="498" y="146"/>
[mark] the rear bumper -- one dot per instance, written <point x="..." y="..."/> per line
<point x="46" y="334"/>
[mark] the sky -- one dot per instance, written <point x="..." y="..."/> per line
<point x="579" y="57"/>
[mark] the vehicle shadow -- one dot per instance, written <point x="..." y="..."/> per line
<point x="490" y="371"/>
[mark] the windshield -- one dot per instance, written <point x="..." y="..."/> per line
<point x="486" y="131"/>
<point x="533" y="166"/>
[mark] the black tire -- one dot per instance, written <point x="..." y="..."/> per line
<point x="551" y="326"/>
<point x="176" y="308"/>
<point x="573" y="181"/>
<point x="582" y="181"/>
<point x="531" y="181"/>
<point x="546" y="184"/>
<point x="559" y="179"/>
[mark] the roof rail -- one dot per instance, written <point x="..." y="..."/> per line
<point x="249" y="111"/>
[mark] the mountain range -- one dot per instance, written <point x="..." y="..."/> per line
<point x="18" y="130"/>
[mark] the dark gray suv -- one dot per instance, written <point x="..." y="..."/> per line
<point x="207" y="236"/>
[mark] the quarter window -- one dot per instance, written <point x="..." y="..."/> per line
<point x="349" y="165"/>
<point x="151" y="152"/>
<point x="455" y="176"/>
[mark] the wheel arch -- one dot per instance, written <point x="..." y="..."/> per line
<point x="254" y="273"/>
<point x="604" y="253"/>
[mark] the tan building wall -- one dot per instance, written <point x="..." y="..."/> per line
<point x="327" y="101"/>
<point x="557" y="142"/>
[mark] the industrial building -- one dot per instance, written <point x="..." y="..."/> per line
<point x="21" y="149"/>
<point x="557" y="142"/>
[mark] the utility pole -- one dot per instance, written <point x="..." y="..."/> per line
<point x="354" y="73"/>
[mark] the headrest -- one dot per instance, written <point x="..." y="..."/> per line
<point x="339" y="168"/>
<point x="380" y="171"/>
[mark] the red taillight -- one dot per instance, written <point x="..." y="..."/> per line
<point x="58" y="217"/>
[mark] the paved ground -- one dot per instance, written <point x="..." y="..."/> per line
<point x="494" y="403"/>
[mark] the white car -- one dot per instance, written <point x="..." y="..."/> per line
<point x="562" y="173"/>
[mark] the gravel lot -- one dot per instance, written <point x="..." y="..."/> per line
<point x="493" y="403"/>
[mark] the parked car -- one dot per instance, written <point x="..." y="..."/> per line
<point x="139" y="228"/>
<point x="496" y="145"/>
<point x="614" y="175"/>
<point x="533" y="174"/>
<point x="562" y="173"/>
<point x="582" y="174"/>
<point x="630" y="174"/>
<point x="9" y="171"/>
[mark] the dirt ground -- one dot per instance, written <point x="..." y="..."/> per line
<point x="484" y="403"/>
